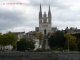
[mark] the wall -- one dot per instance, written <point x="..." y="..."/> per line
<point x="37" y="56"/>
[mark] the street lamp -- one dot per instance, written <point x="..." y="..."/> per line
<point x="68" y="45"/>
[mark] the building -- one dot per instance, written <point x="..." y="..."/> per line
<point x="19" y="34"/>
<point x="72" y="30"/>
<point x="45" y="25"/>
<point x="31" y="35"/>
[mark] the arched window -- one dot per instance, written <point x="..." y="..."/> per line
<point x="44" y="31"/>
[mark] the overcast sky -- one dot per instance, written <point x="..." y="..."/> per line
<point x="24" y="17"/>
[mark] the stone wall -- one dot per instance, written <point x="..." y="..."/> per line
<point x="38" y="56"/>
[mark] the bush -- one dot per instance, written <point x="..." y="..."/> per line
<point x="39" y="50"/>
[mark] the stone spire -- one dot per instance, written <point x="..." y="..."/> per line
<point x="49" y="7"/>
<point x="40" y="12"/>
<point x="49" y="12"/>
<point x="49" y="15"/>
<point x="40" y="7"/>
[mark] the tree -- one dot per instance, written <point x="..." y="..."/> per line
<point x="1" y="36"/>
<point x="78" y="45"/>
<point x="39" y="36"/>
<point x="8" y="39"/>
<point x="57" y="40"/>
<point x="71" y="40"/>
<point x="70" y="37"/>
<point x="21" y="45"/>
<point x="77" y="35"/>
<point x="77" y="40"/>
<point x="25" y="44"/>
<point x="1" y="40"/>
<point x="72" y="45"/>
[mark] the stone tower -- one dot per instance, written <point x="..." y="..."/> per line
<point x="45" y="26"/>
<point x="45" y="21"/>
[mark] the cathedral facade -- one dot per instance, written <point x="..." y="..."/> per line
<point x="45" y="20"/>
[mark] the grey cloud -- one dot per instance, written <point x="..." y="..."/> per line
<point x="11" y="19"/>
<point x="53" y="3"/>
<point x="61" y="15"/>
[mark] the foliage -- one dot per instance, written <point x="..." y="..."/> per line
<point x="78" y="45"/>
<point x="39" y="36"/>
<point x="57" y="40"/>
<point x="41" y="50"/>
<point x="8" y="39"/>
<point x="71" y="40"/>
<point x="72" y="45"/>
<point x="77" y="35"/>
<point x="25" y="44"/>
<point x="70" y="37"/>
<point x="1" y="39"/>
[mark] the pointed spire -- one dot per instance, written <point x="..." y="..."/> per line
<point x="49" y="12"/>
<point x="40" y="12"/>
<point x="40" y="7"/>
<point x="49" y="7"/>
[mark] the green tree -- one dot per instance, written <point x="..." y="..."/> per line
<point x="70" y="37"/>
<point x="77" y="35"/>
<point x="39" y="36"/>
<point x="78" y="45"/>
<point x="77" y="40"/>
<point x="72" y="45"/>
<point x="1" y="40"/>
<point x="57" y="40"/>
<point x="71" y="40"/>
<point x="22" y="45"/>
<point x="25" y="44"/>
<point x="8" y="39"/>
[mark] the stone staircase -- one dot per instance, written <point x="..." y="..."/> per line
<point x="45" y="43"/>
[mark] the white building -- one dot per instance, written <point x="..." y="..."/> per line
<point x="36" y="40"/>
<point x="19" y="34"/>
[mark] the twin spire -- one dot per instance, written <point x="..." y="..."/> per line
<point x="40" y="12"/>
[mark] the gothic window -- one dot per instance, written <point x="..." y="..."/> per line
<point x="44" y="31"/>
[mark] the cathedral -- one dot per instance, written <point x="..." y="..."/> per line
<point x="45" y="20"/>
